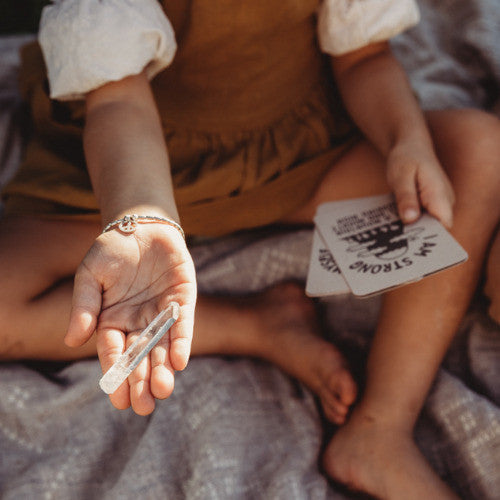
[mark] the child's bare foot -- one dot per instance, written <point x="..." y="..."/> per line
<point x="289" y="337"/>
<point x="381" y="460"/>
<point x="279" y="325"/>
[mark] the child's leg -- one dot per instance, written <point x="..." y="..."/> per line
<point x="374" y="451"/>
<point x="492" y="287"/>
<point x="359" y="173"/>
<point x="38" y="259"/>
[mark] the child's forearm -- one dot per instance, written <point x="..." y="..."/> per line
<point x="377" y="95"/>
<point x="379" y="98"/>
<point x="126" y="153"/>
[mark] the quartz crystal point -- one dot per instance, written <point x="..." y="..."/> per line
<point x="139" y="349"/>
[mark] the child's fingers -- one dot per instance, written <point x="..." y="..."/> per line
<point x="441" y="209"/>
<point x="437" y="197"/>
<point x="404" y="186"/>
<point x="85" y="308"/>
<point x="181" y="336"/>
<point x="142" y="400"/>
<point x="162" y="373"/>
<point x="110" y="346"/>
<point x="172" y="353"/>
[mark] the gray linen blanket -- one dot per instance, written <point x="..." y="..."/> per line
<point x="239" y="428"/>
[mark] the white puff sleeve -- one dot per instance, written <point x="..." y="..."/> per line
<point x="87" y="43"/>
<point x="346" y="25"/>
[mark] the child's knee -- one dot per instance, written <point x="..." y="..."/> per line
<point x="480" y="133"/>
<point x="477" y="158"/>
<point x="14" y="310"/>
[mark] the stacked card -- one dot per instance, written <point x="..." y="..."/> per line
<point x="362" y="246"/>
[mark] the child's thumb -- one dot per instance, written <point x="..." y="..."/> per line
<point x="87" y="300"/>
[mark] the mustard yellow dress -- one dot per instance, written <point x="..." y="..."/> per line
<point x="250" y="114"/>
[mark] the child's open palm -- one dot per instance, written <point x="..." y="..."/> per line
<point x="123" y="282"/>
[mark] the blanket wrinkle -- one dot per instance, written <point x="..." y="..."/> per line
<point x="239" y="428"/>
<point x="452" y="56"/>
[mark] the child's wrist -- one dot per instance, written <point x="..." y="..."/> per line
<point x="129" y="223"/>
<point x="140" y="209"/>
<point x="416" y="137"/>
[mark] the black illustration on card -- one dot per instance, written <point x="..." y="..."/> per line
<point x="385" y="242"/>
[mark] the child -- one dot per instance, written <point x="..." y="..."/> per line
<point x="255" y="134"/>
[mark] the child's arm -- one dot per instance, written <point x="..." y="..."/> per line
<point x="125" y="280"/>
<point x="378" y="96"/>
<point x="125" y="150"/>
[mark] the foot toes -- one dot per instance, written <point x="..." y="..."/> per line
<point x="332" y="415"/>
<point x="346" y="389"/>
<point x="338" y="394"/>
<point x="334" y="410"/>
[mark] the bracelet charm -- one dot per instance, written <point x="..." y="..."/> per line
<point x="128" y="224"/>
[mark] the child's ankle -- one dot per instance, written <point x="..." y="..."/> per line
<point x="394" y="419"/>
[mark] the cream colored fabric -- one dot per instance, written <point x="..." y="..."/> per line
<point x="87" y="43"/>
<point x="346" y="25"/>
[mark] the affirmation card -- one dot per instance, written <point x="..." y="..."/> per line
<point x="375" y="251"/>
<point x="324" y="276"/>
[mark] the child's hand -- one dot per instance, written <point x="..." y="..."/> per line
<point x="417" y="179"/>
<point x="121" y="285"/>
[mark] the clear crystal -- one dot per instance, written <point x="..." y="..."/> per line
<point x="139" y="349"/>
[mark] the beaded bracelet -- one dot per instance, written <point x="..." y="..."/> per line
<point x="128" y="224"/>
